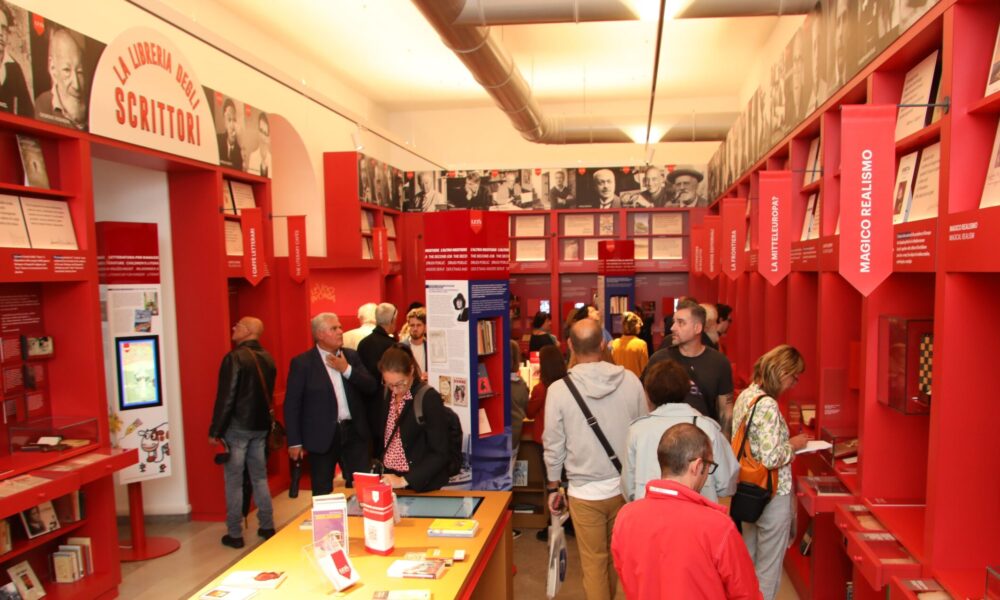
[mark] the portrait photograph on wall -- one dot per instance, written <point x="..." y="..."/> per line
<point x="15" y="53"/>
<point x="229" y="126"/>
<point x="63" y="62"/>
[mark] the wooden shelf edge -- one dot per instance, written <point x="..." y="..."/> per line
<point x="919" y="139"/>
<point x="27" y="545"/>
<point x="989" y="105"/>
<point x="35" y="191"/>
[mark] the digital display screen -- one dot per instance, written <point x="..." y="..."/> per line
<point x="138" y="362"/>
<point x="430" y="507"/>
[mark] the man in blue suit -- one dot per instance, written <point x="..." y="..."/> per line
<point x="326" y="406"/>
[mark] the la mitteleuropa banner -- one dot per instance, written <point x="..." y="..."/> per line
<point x="867" y="162"/>
<point x="774" y="228"/>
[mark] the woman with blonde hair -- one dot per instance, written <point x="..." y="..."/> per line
<point x="629" y="351"/>
<point x="774" y="373"/>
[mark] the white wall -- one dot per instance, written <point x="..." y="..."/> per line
<point x="131" y="194"/>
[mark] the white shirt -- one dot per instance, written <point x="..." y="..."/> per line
<point x="343" y="410"/>
<point x="353" y="337"/>
<point x="420" y="354"/>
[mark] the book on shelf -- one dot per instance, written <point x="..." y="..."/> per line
<point x="483" y="381"/>
<point x="228" y="593"/>
<point x="817" y="214"/>
<point x="606" y="224"/>
<point x="367" y="251"/>
<point x="991" y="188"/>
<point x="227" y="198"/>
<point x="808" y="219"/>
<point x="393" y="255"/>
<point x="329" y="515"/>
<point x="484" y="423"/>
<point x="520" y="473"/>
<point x="39" y="520"/>
<point x="456" y="528"/>
<point x="390" y="225"/>
<point x="813" y="162"/>
<point x="86" y="549"/>
<point x="69" y="508"/>
<point x="242" y="196"/>
<point x="65" y="566"/>
<point x="234" y="238"/>
<point x="6" y="541"/>
<point x="641" y="248"/>
<point x="926" y="185"/>
<point x="27" y="583"/>
<point x="993" y="80"/>
<point x="640" y="224"/>
<point x="77" y="552"/>
<point x="805" y="546"/>
<point x="258" y="580"/>
<point x="367" y="221"/>
<point x="49" y="224"/>
<point x="13" y="230"/>
<point x="33" y="162"/>
<point x="919" y="90"/>
<point x="903" y="190"/>
<point x="486" y="338"/>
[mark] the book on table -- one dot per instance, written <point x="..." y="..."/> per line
<point x="417" y="569"/>
<point x="464" y="528"/>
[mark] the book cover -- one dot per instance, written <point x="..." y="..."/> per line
<point x="26" y="581"/>
<point x="483" y="381"/>
<point x="808" y="219"/>
<point x="417" y="569"/>
<point x="49" y="224"/>
<point x="329" y="515"/>
<point x="812" y="161"/>
<point x="64" y="567"/>
<point x="228" y="593"/>
<point x="904" y="187"/>
<point x="33" y="162"/>
<point x="6" y="542"/>
<point x="520" y="473"/>
<point x="234" y="238"/>
<point x="77" y="553"/>
<point x="993" y="81"/>
<point x="817" y="214"/>
<point x="991" y="189"/>
<point x="390" y="226"/>
<point x="242" y="196"/>
<point x="13" y="231"/>
<point x="919" y="89"/>
<point x="924" y="204"/>
<point x="453" y="528"/>
<point x="39" y="520"/>
<point x="227" y="198"/>
<point x="260" y="580"/>
<point x="86" y="549"/>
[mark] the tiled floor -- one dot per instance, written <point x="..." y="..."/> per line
<point x="201" y="557"/>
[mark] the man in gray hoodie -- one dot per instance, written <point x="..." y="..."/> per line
<point x="615" y="397"/>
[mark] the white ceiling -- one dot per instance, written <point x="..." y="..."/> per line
<point x="388" y="52"/>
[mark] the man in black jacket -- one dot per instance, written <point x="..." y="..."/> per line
<point x="241" y="421"/>
<point x="374" y="345"/>
<point x="326" y="406"/>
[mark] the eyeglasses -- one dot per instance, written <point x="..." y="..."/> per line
<point x="711" y="466"/>
<point x="400" y="386"/>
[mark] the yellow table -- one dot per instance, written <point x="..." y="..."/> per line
<point x="485" y="573"/>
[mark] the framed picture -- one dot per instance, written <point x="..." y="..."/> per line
<point x="39" y="520"/>
<point x="39" y="346"/>
<point x="138" y="363"/>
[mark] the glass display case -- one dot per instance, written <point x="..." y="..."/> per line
<point x="843" y="453"/>
<point x="47" y="434"/>
<point x="906" y="353"/>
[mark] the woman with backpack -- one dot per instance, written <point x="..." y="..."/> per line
<point x="758" y="420"/>
<point x="414" y="453"/>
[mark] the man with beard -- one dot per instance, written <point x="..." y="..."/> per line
<point x="417" y="340"/>
<point x="685" y="182"/>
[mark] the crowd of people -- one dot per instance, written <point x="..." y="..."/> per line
<point x="638" y="445"/>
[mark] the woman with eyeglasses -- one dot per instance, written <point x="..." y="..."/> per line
<point x="776" y="372"/>
<point x="413" y="455"/>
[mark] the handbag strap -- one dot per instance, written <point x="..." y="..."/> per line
<point x="746" y="434"/>
<point x="260" y="374"/>
<point x="592" y="421"/>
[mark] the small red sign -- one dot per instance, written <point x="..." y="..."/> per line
<point x="253" y="245"/>
<point x="38" y="22"/>
<point x="774" y="228"/>
<point x="867" y="163"/>
<point x="713" y="228"/>
<point x="697" y="249"/>
<point x="298" y="261"/>
<point x="616" y="257"/>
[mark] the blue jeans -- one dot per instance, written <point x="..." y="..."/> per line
<point x="246" y="448"/>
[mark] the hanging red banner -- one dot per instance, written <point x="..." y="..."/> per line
<point x="867" y="163"/>
<point x="774" y="228"/>
<point x="298" y="262"/>
<point x="713" y="229"/>
<point x="734" y="223"/>
<point x="253" y="245"/>
<point x="697" y="249"/>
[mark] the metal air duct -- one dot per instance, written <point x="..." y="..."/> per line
<point x="519" y="12"/>
<point x="713" y="9"/>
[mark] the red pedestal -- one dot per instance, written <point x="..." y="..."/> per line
<point x="141" y="547"/>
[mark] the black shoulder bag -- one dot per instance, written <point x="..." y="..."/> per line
<point x="277" y="437"/>
<point x="592" y="421"/>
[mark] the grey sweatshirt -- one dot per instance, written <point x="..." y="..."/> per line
<point x="615" y="397"/>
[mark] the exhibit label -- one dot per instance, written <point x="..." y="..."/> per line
<point x="733" y="236"/>
<point x="713" y="230"/>
<point x="774" y="215"/>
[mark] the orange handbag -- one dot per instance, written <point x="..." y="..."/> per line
<point x="751" y="469"/>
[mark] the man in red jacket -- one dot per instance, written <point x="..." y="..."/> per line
<point x="674" y="543"/>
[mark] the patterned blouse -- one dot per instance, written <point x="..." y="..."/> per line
<point x="768" y="436"/>
<point x="395" y="456"/>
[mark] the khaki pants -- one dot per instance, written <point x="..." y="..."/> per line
<point x="593" y="521"/>
<point x="767" y="539"/>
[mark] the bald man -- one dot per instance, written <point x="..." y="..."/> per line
<point x="241" y="421"/>
<point x="656" y="192"/>
<point x="66" y="102"/>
